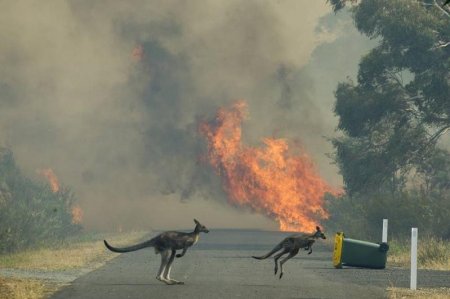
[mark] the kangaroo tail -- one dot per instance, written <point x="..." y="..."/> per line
<point x="278" y="247"/>
<point x="145" y="244"/>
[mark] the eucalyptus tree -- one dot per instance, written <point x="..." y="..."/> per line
<point x="399" y="107"/>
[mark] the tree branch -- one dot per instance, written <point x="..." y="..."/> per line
<point x="441" y="8"/>
<point x="399" y="81"/>
<point x="440" y="45"/>
<point x="439" y="133"/>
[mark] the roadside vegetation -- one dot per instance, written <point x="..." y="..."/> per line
<point x="13" y="288"/>
<point x="432" y="253"/>
<point x="31" y="212"/>
<point x="85" y="251"/>
<point x="77" y="252"/>
<point x="391" y="120"/>
<point x="40" y="232"/>
<point x="425" y="293"/>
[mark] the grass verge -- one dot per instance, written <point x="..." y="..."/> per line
<point x="425" y="293"/>
<point x="84" y="251"/>
<point x="432" y="253"/>
<point x="12" y="288"/>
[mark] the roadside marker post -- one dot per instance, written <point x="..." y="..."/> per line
<point x="385" y="231"/>
<point x="413" y="285"/>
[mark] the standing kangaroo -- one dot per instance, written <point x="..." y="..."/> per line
<point x="167" y="244"/>
<point x="292" y="245"/>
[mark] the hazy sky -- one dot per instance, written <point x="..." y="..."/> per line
<point x="121" y="131"/>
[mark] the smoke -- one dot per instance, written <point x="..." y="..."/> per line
<point x="121" y="130"/>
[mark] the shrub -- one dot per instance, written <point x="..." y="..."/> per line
<point x="360" y="216"/>
<point x="30" y="212"/>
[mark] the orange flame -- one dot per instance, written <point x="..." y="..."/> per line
<point x="51" y="177"/>
<point x="76" y="211"/>
<point x="77" y="214"/>
<point x="270" y="180"/>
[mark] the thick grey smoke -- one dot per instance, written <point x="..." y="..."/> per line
<point x="121" y="128"/>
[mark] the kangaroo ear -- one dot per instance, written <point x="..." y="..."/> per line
<point x="196" y="221"/>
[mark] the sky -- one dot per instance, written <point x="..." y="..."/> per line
<point x="120" y="128"/>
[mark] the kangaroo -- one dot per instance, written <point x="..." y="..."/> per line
<point x="167" y="244"/>
<point x="292" y="245"/>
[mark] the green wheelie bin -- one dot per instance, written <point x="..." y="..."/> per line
<point x="356" y="253"/>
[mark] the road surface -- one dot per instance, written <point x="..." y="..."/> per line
<point x="219" y="266"/>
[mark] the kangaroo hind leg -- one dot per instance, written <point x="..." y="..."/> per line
<point x="162" y="267"/>
<point x="291" y="254"/>
<point x="276" y="257"/>
<point x="169" y="267"/>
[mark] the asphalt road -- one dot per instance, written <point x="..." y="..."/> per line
<point x="219" y="266"/>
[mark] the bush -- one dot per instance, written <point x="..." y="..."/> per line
<point x="30" y="213"/>
<point x="361" y="216"/>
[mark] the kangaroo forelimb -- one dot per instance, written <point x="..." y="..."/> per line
<point x="182" y="253"/>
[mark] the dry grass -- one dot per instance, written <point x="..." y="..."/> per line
<point x="69" y="255"/>
<point x="11" y="288"/>
<point x="432" y="253"/>
<point x="83" y="252"/>
<point x="437" y="293"/>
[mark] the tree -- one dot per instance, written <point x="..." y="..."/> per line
<point x="393" y="116"/>
<point x="434" y="173"/>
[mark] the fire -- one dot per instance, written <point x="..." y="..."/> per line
<point x="77" y="214"/>
<point x="271" y="180"/>
<point x="51" y="177"/>
<point x="76" y="211"/>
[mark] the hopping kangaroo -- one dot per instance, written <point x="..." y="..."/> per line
<point x="292" y="245"/>
<point x="167" y="244"/>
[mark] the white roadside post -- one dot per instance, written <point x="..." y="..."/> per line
<point x="413" y="285"/>
<point x="385" y="230"/>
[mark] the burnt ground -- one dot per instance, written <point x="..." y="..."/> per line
<point x="219" y="266"/>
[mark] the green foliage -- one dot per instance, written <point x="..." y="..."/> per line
<point x="435" y="173"/>
<point x="360" y="216"/>
<point x="399" y="107"/>
<point x="398" y="247"/>
<point x="339" y="4"/>
<point x="391" y="119"/>
<point x="30" y="213"/>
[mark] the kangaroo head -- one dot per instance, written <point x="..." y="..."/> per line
<point x="200" y="227"/>
<point x="319" y="234"/>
